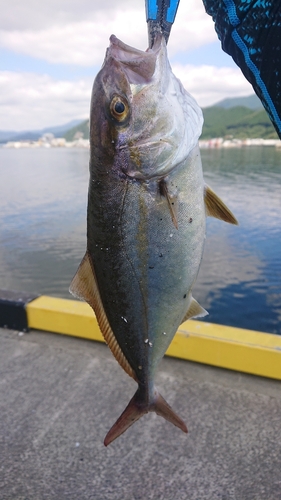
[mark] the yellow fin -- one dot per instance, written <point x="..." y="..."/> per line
<point x="84" y="286"/>
<point x="215" y="207"/>
<point x="195" y="311"/>
<point x="172" y="202"/>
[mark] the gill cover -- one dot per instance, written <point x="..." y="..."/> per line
<point x="163" y="123"/>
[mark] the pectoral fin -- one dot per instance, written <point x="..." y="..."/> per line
<point x="84" y="286"/>
<point x="195" y="311"/>
<point x="172" y="202"/>
<point x="215" y="207"/>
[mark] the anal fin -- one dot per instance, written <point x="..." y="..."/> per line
<point x="195" y="311"/>
<point x="215" y="207"/>
<point x="84" y="286"/>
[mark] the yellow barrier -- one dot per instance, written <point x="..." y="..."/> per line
<point x="223" y="346"/>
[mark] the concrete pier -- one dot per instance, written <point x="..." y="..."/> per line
<point x="59" y="396"/>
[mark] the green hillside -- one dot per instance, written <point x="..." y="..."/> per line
<point x="238" y="122"/>
<point x="250" y="101"/>
<point x="80" y="131"/>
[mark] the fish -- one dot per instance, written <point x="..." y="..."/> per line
<point x="146" y="216"/>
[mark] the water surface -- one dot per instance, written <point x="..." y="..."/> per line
<point x="43" y="198"/>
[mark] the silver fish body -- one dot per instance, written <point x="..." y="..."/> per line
<point x="147" y="208"/>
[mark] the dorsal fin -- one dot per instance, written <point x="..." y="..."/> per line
<point x="215" y="207"/>
<point x="195" y="311"/>
<point x="84" y="286"/>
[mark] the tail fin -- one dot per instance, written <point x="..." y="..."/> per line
<point x="138" y="407"/>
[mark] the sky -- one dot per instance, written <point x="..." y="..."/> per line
<point x="51" y="51"/>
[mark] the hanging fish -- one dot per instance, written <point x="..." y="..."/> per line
<point x="147" y="208"/>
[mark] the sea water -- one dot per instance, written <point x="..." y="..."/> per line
<point x="43" y="202"/>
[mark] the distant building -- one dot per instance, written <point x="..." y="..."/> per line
<point x="78" y="135"/>
<point x="47" y="137"/>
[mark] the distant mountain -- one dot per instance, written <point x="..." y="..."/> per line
<point x="250" y="101"/>
<point x="81" y="130"/>
<point x="6" y="134"/>
<point x="61" y="129"/>
<point x="238" y="122"/>
<point x="33" y="135"/>
<point x="241" y="118"/>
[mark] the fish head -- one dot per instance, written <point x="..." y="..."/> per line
<point x="141" y="115"/>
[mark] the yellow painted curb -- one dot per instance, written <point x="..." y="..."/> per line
<point x="223" y="346"/>
<point x="70" y="317"/>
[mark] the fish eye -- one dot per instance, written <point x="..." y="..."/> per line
<point x="119" y="108"/>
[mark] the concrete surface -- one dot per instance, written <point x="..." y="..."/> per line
<point x="60" y="395"/>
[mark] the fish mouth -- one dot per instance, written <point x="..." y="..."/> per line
<point x="132" y="50"/>
<point x="138" y="65"/>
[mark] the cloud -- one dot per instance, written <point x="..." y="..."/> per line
<point x="80" y="36"/>
<point x="34" y="15"/>
<point x="193" y="28"/>
<point x="209" y="84"/>
<point x="76" y="32"/>
<point x="29" y="101"/>
<point x="78" y="43"/>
